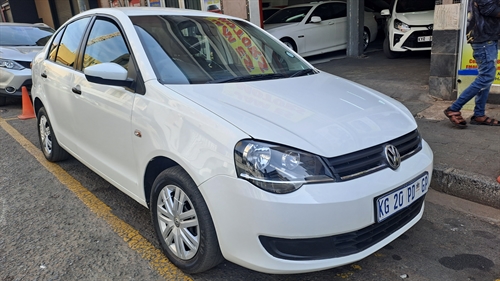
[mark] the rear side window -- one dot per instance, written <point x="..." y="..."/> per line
<point x="55" y="44"/>
<point x="67" y="50"/>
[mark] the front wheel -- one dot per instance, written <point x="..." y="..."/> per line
<point x="182" y="222"/>
<point x="387" y="50"/>
<point x="48" y="141"/>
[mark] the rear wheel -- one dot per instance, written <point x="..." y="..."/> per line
<point x="387" y="50"/>
<point x="289" y="43"/>
<point x="183" y="223"/>
<point x="366" y="38"/>
<point x="48" y="142"/>
<point x="3" y="100"/>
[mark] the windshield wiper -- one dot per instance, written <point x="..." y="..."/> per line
<point x="252" y="77"/>
<point x="303" y="72"/>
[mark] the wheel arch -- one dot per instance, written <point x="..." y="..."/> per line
<point x="288" y="38"/>
<point x="37" y="104"/>
<point x="153" y="169"/>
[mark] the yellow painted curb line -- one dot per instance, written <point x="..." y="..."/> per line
<point x="135" y="240"/>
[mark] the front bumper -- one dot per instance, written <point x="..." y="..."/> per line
<point x="243" y="214"/>
<point x="408" y="41"/>
<point x="12" y="81"/>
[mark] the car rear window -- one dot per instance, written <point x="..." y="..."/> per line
<point x="24" y="35"/>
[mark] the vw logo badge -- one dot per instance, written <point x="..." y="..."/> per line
<point x="392" y="156"/>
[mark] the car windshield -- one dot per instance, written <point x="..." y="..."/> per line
<point x="196" y="50"/>
<point x="295" y="14"/>
<point x="12" y="35"/>
<point x="407" y="6"/>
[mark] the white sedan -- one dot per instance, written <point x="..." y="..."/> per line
<point x="240" y="148"/>
<point x="317" y="28"/>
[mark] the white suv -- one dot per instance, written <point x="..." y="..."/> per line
<point x="409" y="27"/>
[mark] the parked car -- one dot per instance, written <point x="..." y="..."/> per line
<point x="214" y="9"/>
<point x="240" y="148"/>
<point x="376" y="6"/>
<point x="409" y="27"/>
<point x="317" y="27"/>
<point x="19" y="43"/>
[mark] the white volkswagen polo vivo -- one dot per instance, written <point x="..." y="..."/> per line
<point x="240" y="148"/>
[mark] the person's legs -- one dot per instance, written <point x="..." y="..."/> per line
<point x="485" y="55"/>
<point x="487" y="71"/>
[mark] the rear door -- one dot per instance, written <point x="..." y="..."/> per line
<point x="57" y="78"/>
<point x="339" y="19"/>
<point x="320" y="36"/>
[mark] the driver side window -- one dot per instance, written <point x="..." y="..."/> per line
<point x="106" y="44"/>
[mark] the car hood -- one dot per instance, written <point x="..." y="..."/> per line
<point x="20" y="53"/>
<point x="278" y="26"/>
<point x="321" y="113"/>
<point x="417" y="18"/>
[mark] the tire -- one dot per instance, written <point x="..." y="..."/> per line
<point x="387" y="50"/>
<point x="3" y="101"/>
<point x="366" y="38"/>
<point x="189" y="223"/>
<point x="47" y="138"/>
<point x="289" y="43"/>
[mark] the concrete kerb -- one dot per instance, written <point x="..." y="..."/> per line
<point x="463" y="184"/>
<point x="470" y="186"/>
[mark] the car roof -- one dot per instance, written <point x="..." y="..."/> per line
<point x="23" y="24"/>
<point x="313" y="4"/>
<point x="153" y="11"/>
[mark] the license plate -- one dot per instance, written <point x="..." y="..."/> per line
<point x="402" y="197"/>
<point x="424" y="38"/>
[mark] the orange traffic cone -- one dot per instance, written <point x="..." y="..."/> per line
<point x="28" y="111"/>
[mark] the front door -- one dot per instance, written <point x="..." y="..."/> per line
<point x="102" y="112"/>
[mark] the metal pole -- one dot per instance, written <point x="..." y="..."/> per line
<point x="355" y="26"/>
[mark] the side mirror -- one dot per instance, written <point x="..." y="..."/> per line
<point x="107" y="73"/>
<point x="315" y="19"/>
<point x="385" y="12"/>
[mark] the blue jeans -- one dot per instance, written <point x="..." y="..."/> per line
<point x="486" y="55"/>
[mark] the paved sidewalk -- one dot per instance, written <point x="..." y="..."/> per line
<point x="466" y="161"/>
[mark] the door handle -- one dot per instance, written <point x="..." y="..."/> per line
<point x="76" y="90"/>
<point x="43" y="75"/>
<point x="330" y="23"/>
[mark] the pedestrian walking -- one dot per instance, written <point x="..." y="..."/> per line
<point x="483" y="33"/>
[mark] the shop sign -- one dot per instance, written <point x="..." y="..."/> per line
<point x="154" y="3"/>
<point x="467" y="59"/>
<point x="134" y="3"/>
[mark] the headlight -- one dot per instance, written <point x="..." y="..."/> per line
<point x="278" y="169"/>
<point x="10" y="64"/>
<point x="401" y="26"/>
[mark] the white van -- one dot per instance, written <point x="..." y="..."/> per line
<point x="409" y="26"/>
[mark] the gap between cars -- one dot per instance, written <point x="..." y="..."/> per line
<point x="134" y="239"/>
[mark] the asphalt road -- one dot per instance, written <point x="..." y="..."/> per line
<point x="64" y="222"/>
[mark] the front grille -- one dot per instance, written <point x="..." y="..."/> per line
<point x="412" y="40"/>
<point x="25" y="64"/>
<point x="372" y="159"/>
<point x="343" y="244"/>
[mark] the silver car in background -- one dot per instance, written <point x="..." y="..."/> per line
<point x="19" y="43"/>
